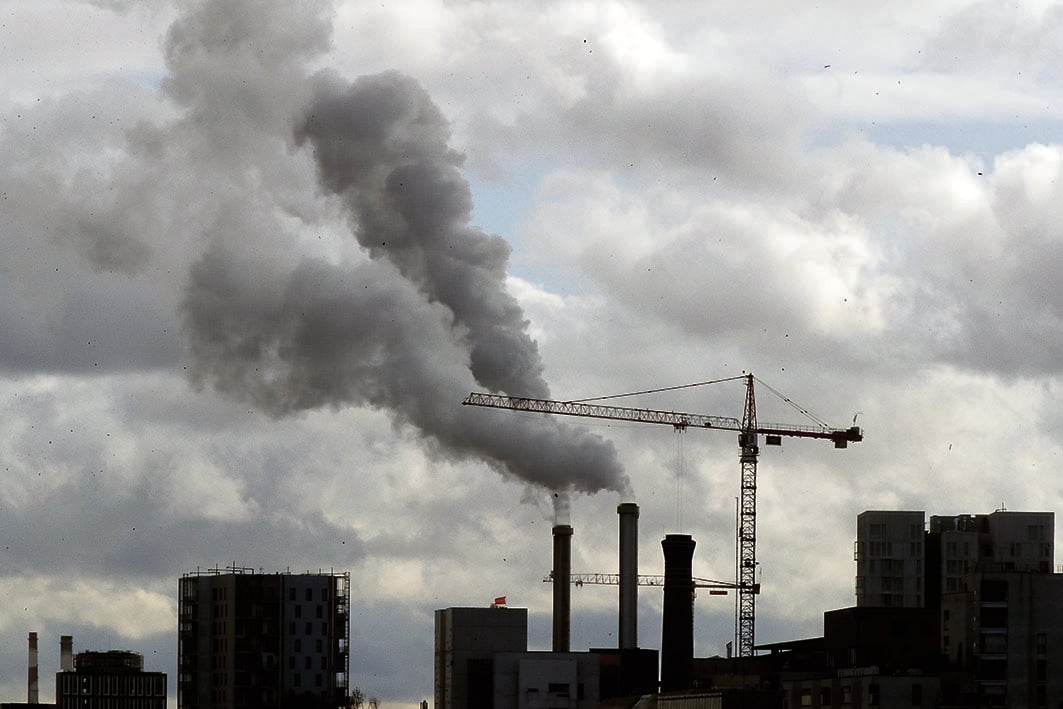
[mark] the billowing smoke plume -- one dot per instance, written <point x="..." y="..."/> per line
<point x="381" y="144"/>
<point x="411" y="329"/>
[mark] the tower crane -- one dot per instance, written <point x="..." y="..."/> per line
<point x="749" y="432"/>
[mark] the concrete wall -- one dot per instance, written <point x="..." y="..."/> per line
<point x="546" y="680"/>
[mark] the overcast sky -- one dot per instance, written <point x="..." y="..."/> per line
<point x="254" y="253"/>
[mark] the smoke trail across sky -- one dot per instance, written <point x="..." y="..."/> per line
<point x="410" y="330"/>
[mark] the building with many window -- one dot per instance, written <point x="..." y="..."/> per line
<point x="255" y="640"/>
<point x="890" y="558"/>
<point x="899" y="563"/>
<point x="110" y="680"/>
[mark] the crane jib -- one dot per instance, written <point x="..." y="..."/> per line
<point x="679" y="419"/>
<point x="568" y="408"/>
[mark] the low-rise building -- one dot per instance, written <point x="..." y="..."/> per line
<point x="114" y="679"/>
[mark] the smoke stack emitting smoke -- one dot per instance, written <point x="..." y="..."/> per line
<point x="412" y="330"/>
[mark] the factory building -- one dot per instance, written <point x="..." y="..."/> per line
<point x="543" y="680"/>
<point x="481" y="654"/>
<point x="253" y="640"/>
<point x="466" y="643"/>
<point x="114" y="679"/>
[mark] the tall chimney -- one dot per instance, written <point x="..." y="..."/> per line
<point x="562" y="586"/>
<point x="33" y="695"/>
<point x="66" y="653"/>
<point x="629" y="575"/>
<point x="677" y="625"/>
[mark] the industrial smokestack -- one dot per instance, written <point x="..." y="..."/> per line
<point x="629" y="575"/>
<point x="562" y="586"/>
<point x="677" y="631"/>
<point x="66" y="653"/>
<point x="33" y="695"/>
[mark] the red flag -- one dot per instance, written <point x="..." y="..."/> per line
<point x="500" y="601"/>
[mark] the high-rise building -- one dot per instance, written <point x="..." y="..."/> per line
<point x="989" y="580"/>
<point x="1001" y="541"/>
<point x="899" y="564"/>
<point x="1005" y="628"/>
<point x="110" y="680"/>
<point x="250" y="640"/>
<point x="889" y="556"/>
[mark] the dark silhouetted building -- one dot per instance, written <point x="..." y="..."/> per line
<point x="250" y="640"/>
<point x="110" y="680"/>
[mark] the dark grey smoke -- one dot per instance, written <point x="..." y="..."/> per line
<point x="326" y="335"/>
<point x="409" y="331"/>
<point x="381" y="144"/>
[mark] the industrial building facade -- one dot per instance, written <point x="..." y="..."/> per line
<point x="466" y="642"/>
<point x="255" y="640"/>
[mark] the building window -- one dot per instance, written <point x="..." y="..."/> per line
<point x="559" y="689"/>
<point x="308" y="661"/>
<point x="309" y="594"/>
<point x="806" y="697"/>
<point x="917" y="695"/>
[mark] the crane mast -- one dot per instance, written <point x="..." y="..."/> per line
<point x="745" y="616"/>
<point x="749" y="432"/>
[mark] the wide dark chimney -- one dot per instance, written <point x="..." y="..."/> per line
<point x="562" y="586"/>
<point x="628" y="634"/>
<point x="677" y="625"/>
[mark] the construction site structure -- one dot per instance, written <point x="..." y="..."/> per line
<point x="749" y="432"/>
